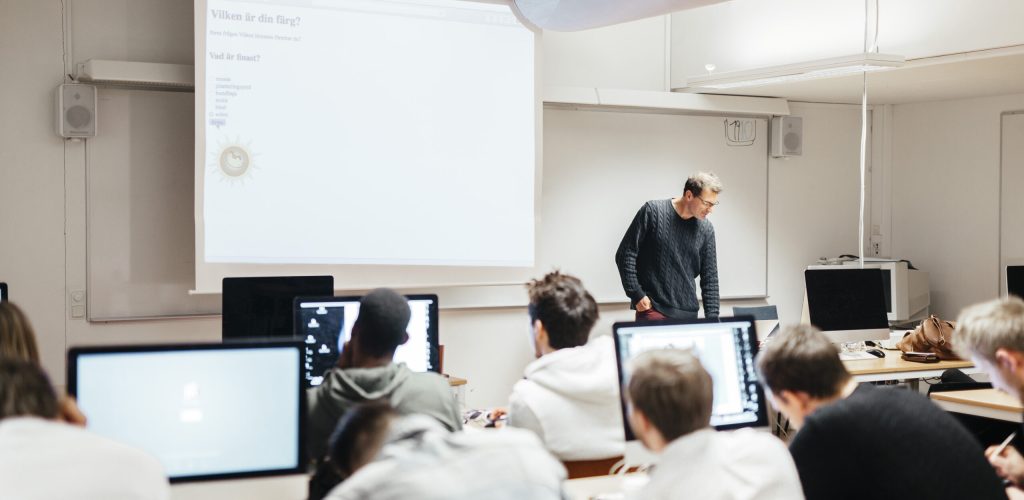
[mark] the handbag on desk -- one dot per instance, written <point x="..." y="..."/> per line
<point x="932" y="335"/>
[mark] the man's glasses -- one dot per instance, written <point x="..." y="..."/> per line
<point x="708" y="204"/>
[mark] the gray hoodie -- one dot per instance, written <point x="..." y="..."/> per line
<point x="407" y="391"/>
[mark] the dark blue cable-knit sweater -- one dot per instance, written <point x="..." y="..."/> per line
<point x="662" y="254"/>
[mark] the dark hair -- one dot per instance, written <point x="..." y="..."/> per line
<point x="17" y="339"/>
<point x="566" y="309"/>
<point x="25" y="391"/>
<point x="697" y="183"/>
<point x="382" y="322"/>
<point x="673" y="390"/>
<point x="359" y="435"/>
<point x="801" y="359"/>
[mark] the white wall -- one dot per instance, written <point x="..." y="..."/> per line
<point x="813" y="201"/>
<point x="624" y="56"/>
<point x="945" y="195"/>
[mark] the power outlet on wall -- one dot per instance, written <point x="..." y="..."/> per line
<point x="76" y="303"/>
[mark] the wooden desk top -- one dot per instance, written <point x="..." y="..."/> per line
<point x="455" y="381"/>
<point x="892" y="363"/>
<point x="985" y="398"/>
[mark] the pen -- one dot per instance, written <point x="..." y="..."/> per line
<point x="1005" y="442"/>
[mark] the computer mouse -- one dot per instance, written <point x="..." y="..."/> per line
<point x="875" y="352"/>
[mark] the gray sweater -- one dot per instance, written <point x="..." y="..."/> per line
<point x="407" y="391"/>
<point x="662" y="254"/>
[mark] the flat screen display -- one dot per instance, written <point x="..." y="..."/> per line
<point x="846" y="299"/>
<point x="726" y="348"/>
<point x="324" y="324"/>
<point x="262" y="307"/>
<point x="205" y="411"/>
<point x="1015" y="280"/>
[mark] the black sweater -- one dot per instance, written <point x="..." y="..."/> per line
<point x="890" y="443"/>
<point x="662" y="254"/>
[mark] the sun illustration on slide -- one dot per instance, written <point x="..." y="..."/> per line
<point x="233" y="161"/>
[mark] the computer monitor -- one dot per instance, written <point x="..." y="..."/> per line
<point x="206" y="411"/>
<point x="907" y="296"/>
<point x="3" y="292"/>
<point x="262" y="307"/>
<point x="847" y="304"/>
<point x="1015" y="281"/>
<point x="324" y="324"/>
<point x="726" y="347"/>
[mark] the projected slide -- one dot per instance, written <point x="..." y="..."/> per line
<point x="366" y="132"/>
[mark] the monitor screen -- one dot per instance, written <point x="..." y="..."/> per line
<point x="3" y="292"/>
<point x="324" y="324"/>
<point x="1015" y="280"/>
<point x="205" y="411"/>
<point x="726" y="348"/>
<point x="262" y="307"/>
<point x="846" y="299"/>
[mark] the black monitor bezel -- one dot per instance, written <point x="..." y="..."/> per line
<point x="433" y="332"/>
<point x="1006" y="278"/>
<point x="813" y="313"/>
<point x="301" y="457"/>
<point x="4" y="297"/>
<point x="324" y="281"/>
<point x="762" y="407"/>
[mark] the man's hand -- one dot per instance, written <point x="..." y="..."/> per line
<point x="1009" y="464"/>
<point x="643" y="304"/>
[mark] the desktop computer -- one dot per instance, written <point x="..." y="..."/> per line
<point x="324" y="324"/>
<point x="848" y="305"/>
<point x="261" y="307"/>
<point x="726" y="347"/>
<point x="906" y="294"/>
<point x="206" y="411"/>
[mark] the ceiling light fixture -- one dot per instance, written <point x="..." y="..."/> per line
<point x="822" y="68"/>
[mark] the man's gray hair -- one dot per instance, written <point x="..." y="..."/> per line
<point x="700" y="181"/>
<point x="983" y="328"/>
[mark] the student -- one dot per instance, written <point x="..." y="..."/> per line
<point x="366" y="372"/>
<point x="569" y="395"/>
<point x="386" y="456"/>
<point x="670" y="412"/>
<point x="857" y="441"/>
<point x="18" y="341"/>
<point x="42" y="457"/>
<point x="991" y="334"/>
<point x="669" y="244"/>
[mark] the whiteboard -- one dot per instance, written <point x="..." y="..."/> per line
<point x="598" y="169"/>
<point x="1011" y="203"/>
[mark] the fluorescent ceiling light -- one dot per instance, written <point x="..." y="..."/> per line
<point x="822" y="68"/>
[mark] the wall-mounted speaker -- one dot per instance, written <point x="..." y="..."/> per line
<point x="787" y="136"/>
<point x="76" y="110"/>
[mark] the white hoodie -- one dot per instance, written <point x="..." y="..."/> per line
<point x="570" y="398"/>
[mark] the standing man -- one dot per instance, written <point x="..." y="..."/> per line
<point x="670" y="244"/>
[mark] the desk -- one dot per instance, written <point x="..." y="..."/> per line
<point x="590" y="487"/>
<point x="988" y="403"/>
<point x="892" y="367"/>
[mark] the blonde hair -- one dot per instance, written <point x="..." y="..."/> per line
<point x="983" y="328"/>
<point x="17" y="339"/>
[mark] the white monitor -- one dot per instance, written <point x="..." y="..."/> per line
<point x="324" y="324"/>
<point x="726" y="347"/>
<point x="907" y="296"/>
<point x="205" y="411"/>
<point x="847" y="304"/>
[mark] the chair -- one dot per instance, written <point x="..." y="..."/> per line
<point x="759" y="312"/>
<point x="590" y="468"/>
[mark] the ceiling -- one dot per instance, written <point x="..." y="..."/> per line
<point x="958" y="76"/>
